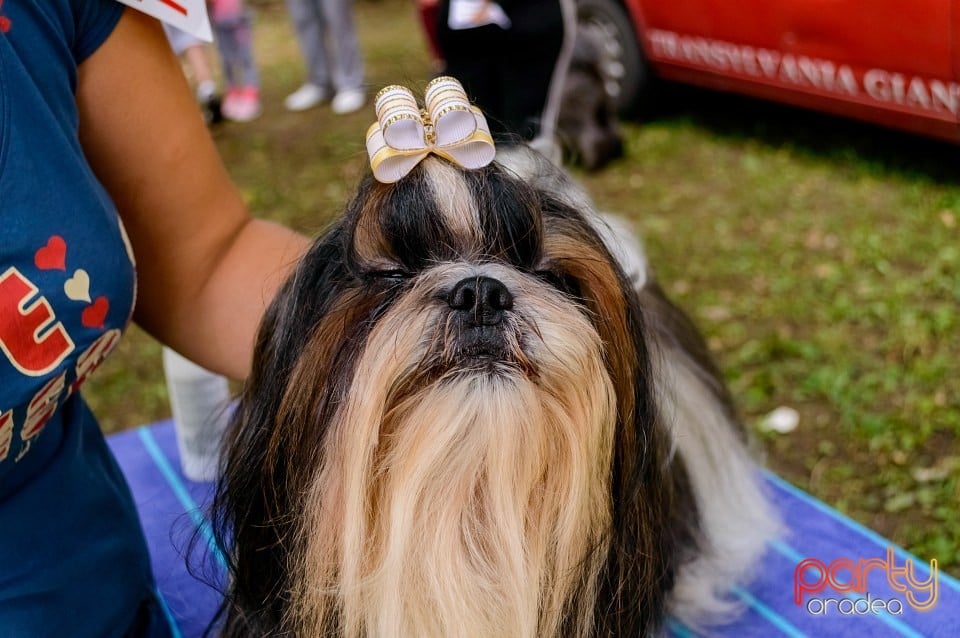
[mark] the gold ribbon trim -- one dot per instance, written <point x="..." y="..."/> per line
<point x="449" y="126"/>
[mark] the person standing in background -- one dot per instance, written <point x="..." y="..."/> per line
<point x="512" y="58"/>
<point x="233" y="32"/>
<point x="427" y="12"/>
<point x="328" y="41"/>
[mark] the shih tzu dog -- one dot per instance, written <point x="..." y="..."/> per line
<point x="473" y="413"/>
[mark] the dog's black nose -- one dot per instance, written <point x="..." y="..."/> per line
<point x="482" y="299"/>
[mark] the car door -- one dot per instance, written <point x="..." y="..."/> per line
<point x="889" y="61"/>
<point x="898" y="52"/>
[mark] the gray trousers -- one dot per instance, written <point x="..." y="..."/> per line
<point x="235" y="44"/>
<point x="328" y="41"/>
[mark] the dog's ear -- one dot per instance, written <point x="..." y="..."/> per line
<point x="631" y="596"/>
<point x="302" y="301"/>
<point x="287" y="327"/>
<point x="645" y="489"/>
<point x="251" y="498"/>
<point x="572" y="245"/>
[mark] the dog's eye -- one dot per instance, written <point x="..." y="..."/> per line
<point x="394" y="274"/>
<point x="561" y="281"/>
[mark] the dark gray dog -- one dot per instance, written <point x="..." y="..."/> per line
<point x="588" y="126"/>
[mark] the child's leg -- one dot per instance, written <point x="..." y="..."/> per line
<point x="225" y="47"/>
<point x="243" y="35"/>
<point x="236" y="43"/>
<point x="235" y="40"/>
<point x="200" y="67"/>
<point x="195" y="55"/>
<point x="347" y="62"/>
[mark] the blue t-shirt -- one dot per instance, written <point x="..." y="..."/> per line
<point x="73" y="561"/>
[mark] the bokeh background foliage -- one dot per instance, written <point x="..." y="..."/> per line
<point x="820" y="257"/>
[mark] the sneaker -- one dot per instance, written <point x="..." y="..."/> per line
<point x="229" y="103"/>
<point x="209" y="101"/>
<point x="306" y="97"/>
<point x="242" y="105"/>
<point x="348" y="101"/>
<point x="210" y="108"/>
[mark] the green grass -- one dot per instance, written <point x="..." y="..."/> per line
<point x="820" y="258"/>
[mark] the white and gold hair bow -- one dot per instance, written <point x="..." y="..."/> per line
<point x="449" y="126"/>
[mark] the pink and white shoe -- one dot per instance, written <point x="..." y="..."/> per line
<point x="242" y="104"/>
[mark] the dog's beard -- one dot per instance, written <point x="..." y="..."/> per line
<point x="464" y="497"/>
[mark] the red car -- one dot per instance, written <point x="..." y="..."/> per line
<point x="891" y="62"/>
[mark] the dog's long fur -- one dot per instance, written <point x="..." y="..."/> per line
<point x="473" y="413"/>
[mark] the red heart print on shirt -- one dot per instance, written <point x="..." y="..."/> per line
<point x="4" y="21"/>
<point x="95" y="314"/>
<point x="53" y="256"/>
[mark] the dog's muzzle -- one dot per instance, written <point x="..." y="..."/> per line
<point x="479" y="306"/>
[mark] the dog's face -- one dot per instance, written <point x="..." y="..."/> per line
<point x="450" y="429"/>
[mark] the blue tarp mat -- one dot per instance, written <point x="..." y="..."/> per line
<point x="190" y="570"/>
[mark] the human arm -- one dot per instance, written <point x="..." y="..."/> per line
<point x="205" y="268"/>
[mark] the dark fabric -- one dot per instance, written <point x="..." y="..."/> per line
<point x="506" y="72"/>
